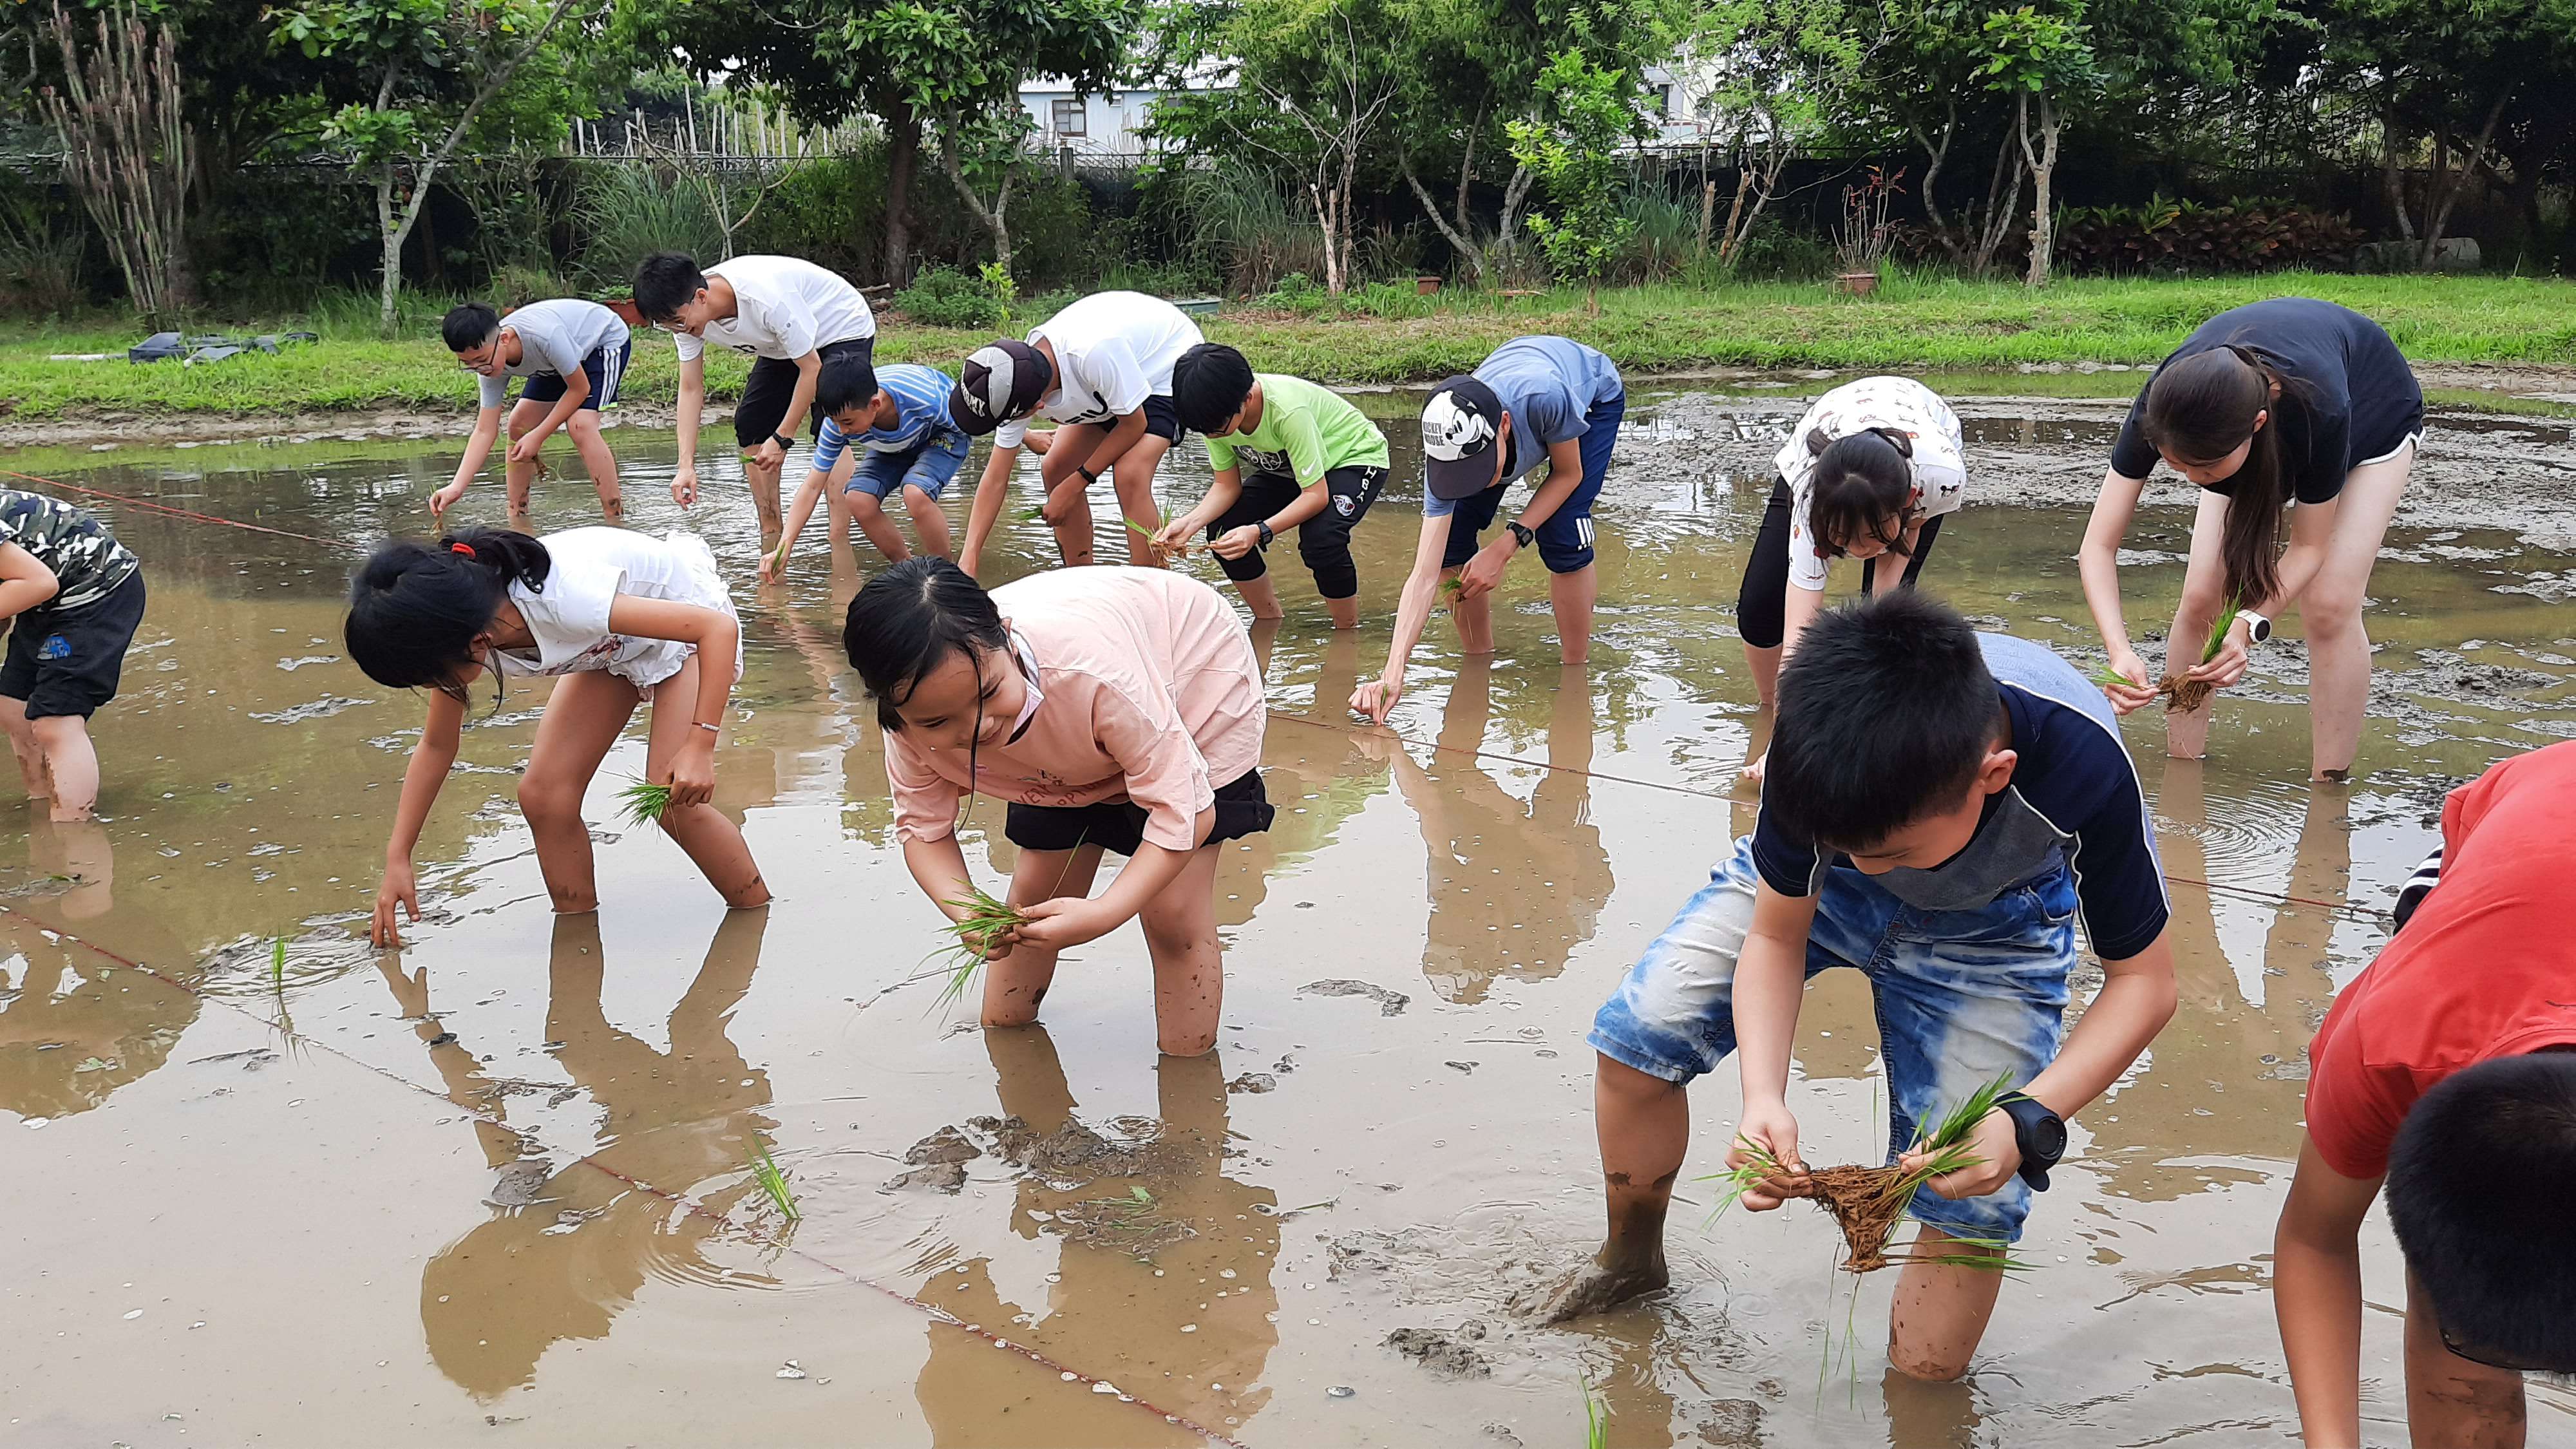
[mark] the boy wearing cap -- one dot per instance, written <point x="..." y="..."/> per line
<point x="2446" y="1072"/>
<point x="790" y="315"/>
<point x="1102" y="370"/>
<point x="573" y="354"/>
<point x="1536" y="400"/>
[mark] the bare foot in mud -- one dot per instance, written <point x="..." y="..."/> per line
<point x="1589" y="1289"/>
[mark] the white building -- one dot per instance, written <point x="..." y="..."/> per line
<point x="1103" y="124"/>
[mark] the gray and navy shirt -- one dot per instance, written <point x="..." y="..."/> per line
<point x="554" y="338"/>
<point x="2074" y="802"/>
<point x="1549" y="385"/>
<point x="86" y="559"/>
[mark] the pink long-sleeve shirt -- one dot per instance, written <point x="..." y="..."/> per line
<point x="1151" y="694"/>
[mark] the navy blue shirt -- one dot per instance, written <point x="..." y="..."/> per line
<point x="2360" y="401"/>
<point x="2073" y="774"/>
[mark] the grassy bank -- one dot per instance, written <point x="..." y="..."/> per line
<point x="1910" y="324"/>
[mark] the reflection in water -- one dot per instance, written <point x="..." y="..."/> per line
<point x="1514" y="888"/>
<point x="1192" y="1327"/>
<point x="74" y="1026"/>
<point x="564" y="1261"/>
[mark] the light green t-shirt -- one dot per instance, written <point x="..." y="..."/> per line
<point x="1306" y="432"/>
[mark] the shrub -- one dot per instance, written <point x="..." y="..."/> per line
<point x="2182" y="236"/>
<point x="1296" y="292"/>
<point x="43" y="244"/>
<point x="946" y="297"/>
<point x="627" y="213"/>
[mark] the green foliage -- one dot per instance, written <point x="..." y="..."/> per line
<point x="1296" y="292"/>
<point x="42" y="248"/>
<point x="1235" y="221"/>
<point x="2183" y="236"/>
<point x="946" y="297"/>
<point x="627" y="213"/>
<point x="1587" y="111"/>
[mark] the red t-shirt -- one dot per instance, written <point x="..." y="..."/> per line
<point x="2485" y="968"/>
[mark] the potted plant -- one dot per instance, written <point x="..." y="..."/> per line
<point x="1862" y="239"/>
<point x="1426" y="286"/>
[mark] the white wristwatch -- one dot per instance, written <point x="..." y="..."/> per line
<point x="2257" y="629"/>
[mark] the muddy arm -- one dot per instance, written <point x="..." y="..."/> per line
<point x="2316" y="1291"/>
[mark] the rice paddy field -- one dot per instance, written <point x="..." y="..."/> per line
<point x="669" y="1174"/>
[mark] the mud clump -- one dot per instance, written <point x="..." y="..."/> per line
<point x="938" y="1162"/>
<point x="1447" y="1353"/>
<point x="1389" y="1003"/>
<point x="2182" y="696"/>
<point x="1133" y="1224"/>
<point x="1865" y="1204"/>
<point x="1252" y="1084"/>
<point x="1072" y="1154"/>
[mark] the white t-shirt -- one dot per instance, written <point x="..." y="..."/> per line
<point x="784" y="307"/>
<point x="591" y="567"/>
<point x="1940" y="460"/>
<point x="555" y="339"/>
<point x="1113" y="350"/>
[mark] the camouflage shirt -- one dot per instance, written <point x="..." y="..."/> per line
<point x="86" y="559"/>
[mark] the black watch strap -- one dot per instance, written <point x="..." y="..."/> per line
<point x="1266" y="534"/>
<point x="782" y="440"/>
<point x="2038" y="1132"/>
<point x="1522" y="534"/>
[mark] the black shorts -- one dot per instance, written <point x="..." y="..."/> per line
<point x="606" y="369"/>
<point x="1762" y="601"/>
<point x="1118" y="826"/>
<point x="67" y="661"/>
<point x="772" y="386"/>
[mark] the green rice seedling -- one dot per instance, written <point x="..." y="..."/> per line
<point x="987" y="917"/>
<point x="1451" y="589"/>
<point x="644" y="801"/>
<point x="764" y="1170"/>
<point x="1153" y="536"/>
<point x="1031" y="515"/>
<point x="1596" y="1415"/>
<point x="277" y="967"/>
<point x="2183" y="695"/>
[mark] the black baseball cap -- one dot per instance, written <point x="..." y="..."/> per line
<point x="1461" y="426"/>
<point x="1001" y="382"/>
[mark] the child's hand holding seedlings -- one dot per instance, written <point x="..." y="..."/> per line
<point x="1376" y="699"/>
<point x="2137" y="694"/>
<point x="1484" y="573"/>
<point x="445" y="499"/>
<point x="1773" y="1130"/>
<point x="1175" y="535"/>
<point x="523" y="449"/>
<point x="1997" y="1154"/>
<point x="1063" y="923"/>
<point x="684" y="486"/>
<point x="1236" y="542"/>
<point x="693" y="771"/>
<point x="2228" y="660"/>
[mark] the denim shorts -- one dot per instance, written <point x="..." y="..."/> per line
<point x="927" y="465"/>
<point x="1962" y="997"/>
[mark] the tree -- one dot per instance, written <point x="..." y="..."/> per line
<point x="1920" y="71"/>
<point x="913" y="64"/>
<point x="2041" y="56"/>
<point x="125" y="151"/>
<point x="1573" y="150"/>
<point x="1783" y="70"/>
<point x="434" y="65"/>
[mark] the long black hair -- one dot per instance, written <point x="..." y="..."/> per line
<point x="414" y="608"/>
<point x="2200" y="409"/>
<point x="908" y="620"/>
<point x="1862" y="483"/>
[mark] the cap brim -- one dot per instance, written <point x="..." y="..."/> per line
<point x="970" y="422"/>
<point x="1460" y="477"/>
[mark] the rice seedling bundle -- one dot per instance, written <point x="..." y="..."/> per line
<point x="1868" y="1202"/>
<point x="986" y="917"/>
<point x="644" y="802"/>
<point x="2182" y="695"/>
<point x="1154" y="537"/>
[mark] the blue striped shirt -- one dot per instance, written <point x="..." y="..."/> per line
<point x="921" y="408"/>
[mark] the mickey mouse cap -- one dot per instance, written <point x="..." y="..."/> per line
<point x="1460" y="426"/>
<point x="1003" y="380"/>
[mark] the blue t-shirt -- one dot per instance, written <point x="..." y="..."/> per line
<point x="1549" y="386"/>
<point x="2073" y="774"/>
<point x="921" y="408"/>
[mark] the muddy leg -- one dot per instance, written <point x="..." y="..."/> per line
<point x="1940" y="1311"/>
<point x="2204" y="597"/>
<point x="709" y="835"/>
<point x="1189" y="965"/>
<point x="71" y="763"/>
<point x="601" y="463"/>
<point x="22" y="745"/>
<point x="581" y="721"/>
<point x="2452" y="1403"/>
<point x="929" y="524"/>
<point x="1016" y="984"/>
<point x="1644" y="1125"/>
<point x="1474" y="617"/>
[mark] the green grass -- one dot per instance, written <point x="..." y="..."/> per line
<point x="1912" y="322"/>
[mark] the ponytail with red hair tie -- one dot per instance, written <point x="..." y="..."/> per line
<point x="466" y="549"/>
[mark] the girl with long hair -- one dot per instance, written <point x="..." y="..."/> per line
<point x="616" y="618"/>
<point x="2295" y="418"/>
<point x="1115" y="709"/>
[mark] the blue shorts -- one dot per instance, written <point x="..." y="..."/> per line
<point x="1565" y="540"/>
<point x="926" y="465"/>
<point x="1962" y="997"/>
<point x="606" y="369"/>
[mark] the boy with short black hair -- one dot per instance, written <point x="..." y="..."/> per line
<point x="573" y="354"/>
<point x="1287" y="454"/>
<point x="1535" y="401"/>
<point x="790" y="315"/>
<point x="1101" y="369"/>
<point x="884" y="431"/>
<point x="1941" y="807"/>
<point x="72" y="597"/>
<point x="2448" y="1069"/>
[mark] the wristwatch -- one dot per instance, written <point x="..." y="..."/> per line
<point x="2257" y="628"/>
<point x="1088" y="477"/>
<point x="782" y="440"/>
<point x="2038" y="1132"/>
<point x="1521" y="534"/>
<point x="1266" y="534"/>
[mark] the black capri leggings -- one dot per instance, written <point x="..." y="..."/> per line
<point x="1761" y="604"/>
<point x="1323" y="541"/>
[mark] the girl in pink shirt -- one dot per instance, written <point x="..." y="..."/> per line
<point x="1115" y="709"/>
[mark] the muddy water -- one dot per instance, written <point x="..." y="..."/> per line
<point x="501" y="1178"/>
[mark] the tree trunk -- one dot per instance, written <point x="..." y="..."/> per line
<point x="389" y="237"/>
<point x="995" y="219"/>
<point x="1731" y="239"/>
<point x="1332" y="254"/>
<point x="2446" y="184"/>
<point x="1707" y="207"/>
<point x="1515" y="192"/>
<point x="2043" y="165"/>
<point x="1467" y="173"/>
<point x="1457" y="239"/>
<point x="2391" y="177"/>
<point x="1935" y="153"/>
<point x="903" y="157"/>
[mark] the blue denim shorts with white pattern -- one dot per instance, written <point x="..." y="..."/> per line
<point x="1962" y="997"/>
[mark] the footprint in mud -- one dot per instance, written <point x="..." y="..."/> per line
<point x="1449" y="1353"/>
<point x="1389" y="1003"/>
